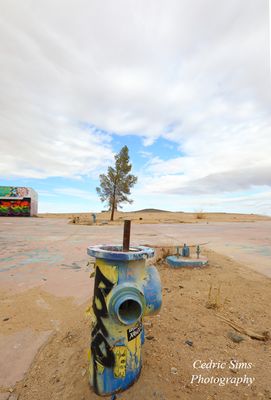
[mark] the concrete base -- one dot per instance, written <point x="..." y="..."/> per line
<point x="178" y="261"/>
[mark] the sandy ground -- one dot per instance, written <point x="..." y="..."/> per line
<point x="59" y="369"/>
<point x="158" y="217"/>
<point x="45" y="289"/>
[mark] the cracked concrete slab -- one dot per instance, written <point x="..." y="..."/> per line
<point x="17" y="352"/>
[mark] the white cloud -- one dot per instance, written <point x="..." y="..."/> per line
<point x="240" y="202"/>
<point x="146" y="154"/>
<point x="74" y="192"/>
<point x="137" y="67"/>
<point x="64" y="207"/>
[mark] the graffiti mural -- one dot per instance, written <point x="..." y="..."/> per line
<point x="18" y="201"/>
<point x="15" y="208"/>
<point x="13" y="191"/>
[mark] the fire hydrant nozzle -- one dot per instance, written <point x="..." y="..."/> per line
<point x="125" y="290"/>
<point x="126" y="304"/>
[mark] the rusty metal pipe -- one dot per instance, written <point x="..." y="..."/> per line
<point x="126" y="235"/>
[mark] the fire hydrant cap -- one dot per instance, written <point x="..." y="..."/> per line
<point x="115" y="252"/>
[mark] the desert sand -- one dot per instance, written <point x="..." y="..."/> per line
<point x="153" y="216"/>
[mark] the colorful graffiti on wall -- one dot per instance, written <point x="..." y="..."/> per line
<point x="12" y="191"/>
<point x="16" y="208"/>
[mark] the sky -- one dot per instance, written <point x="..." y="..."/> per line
<point x="185" y="84"/>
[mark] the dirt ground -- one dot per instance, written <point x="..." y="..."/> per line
<point x="150" y="216"/>
<point x="187" y="329"/>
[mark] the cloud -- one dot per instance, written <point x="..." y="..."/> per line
<point x="41" y="149"/>
<point x="185" y="184"/>
<point x="228" y="181"/>
<point x="239" y="202"/>
<point x="246" y="203"/>
<point x="74" y="192"/>
<point x="193" y="72"/>
<point x="146" y="154"/>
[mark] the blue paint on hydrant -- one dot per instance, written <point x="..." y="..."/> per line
<point x="125" y="290"/>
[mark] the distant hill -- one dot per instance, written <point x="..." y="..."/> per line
<point x="150" y="210"/>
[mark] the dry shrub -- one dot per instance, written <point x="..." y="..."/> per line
<point x="214" y="299"/>
<point x="200" y="214"/>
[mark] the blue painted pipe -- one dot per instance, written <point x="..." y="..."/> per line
<point x="185" y="251"/>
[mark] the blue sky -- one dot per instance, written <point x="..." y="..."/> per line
<point x="189" y="94"/>
<point x="79" y="194"/>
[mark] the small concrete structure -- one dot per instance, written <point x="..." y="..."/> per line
<point x="18" y="201"/>
<point x="177" y="262"/>
<point x="186" y="260"/>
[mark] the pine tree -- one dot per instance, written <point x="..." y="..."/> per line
<point x="116" y="184"/>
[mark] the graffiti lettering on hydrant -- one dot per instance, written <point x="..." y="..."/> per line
<point x="101" y="350"/>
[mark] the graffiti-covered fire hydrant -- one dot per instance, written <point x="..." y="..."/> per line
<point x="125" y="290"/>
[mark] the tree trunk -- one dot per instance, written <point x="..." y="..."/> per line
<point x="112" y="211"/>
<point x="113" y="205"/>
